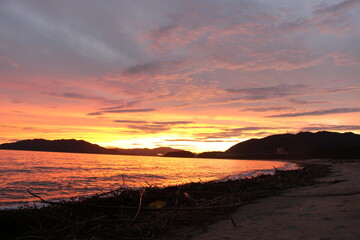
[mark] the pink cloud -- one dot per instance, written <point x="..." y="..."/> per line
<point x="7" y="62"/>
<point x="345" y="59"/>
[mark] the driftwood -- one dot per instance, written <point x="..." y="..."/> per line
<point x="129" y="213"/>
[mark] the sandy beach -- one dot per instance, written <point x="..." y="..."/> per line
<point x="329" y="210"/>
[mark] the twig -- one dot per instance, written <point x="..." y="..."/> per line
<point x="140" y="203"/>
<point x="43" y="200"/>
<point x="233" y="222"/>
<point x="150" y="185"/>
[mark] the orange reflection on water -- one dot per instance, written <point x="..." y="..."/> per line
<point x="64" y="175"/>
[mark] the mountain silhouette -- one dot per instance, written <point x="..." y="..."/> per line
<point x="63" y="145"/>
<point x="81" y="146"/>
<point x="302" y="145"/>
<point x="184" y="154"/>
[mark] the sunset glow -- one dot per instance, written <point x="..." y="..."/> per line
<point x="199" y="75"/>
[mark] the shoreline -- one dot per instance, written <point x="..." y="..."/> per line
<point x="328" y="210"/>
<point x="154" y="213"/>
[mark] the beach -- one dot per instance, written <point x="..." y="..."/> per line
<point x="328" y="210"/>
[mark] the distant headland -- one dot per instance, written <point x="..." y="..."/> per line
<point x="303" y="145"/>
<point x="80" y="146"/>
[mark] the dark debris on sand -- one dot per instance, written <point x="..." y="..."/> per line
<point x="148" y="213"/>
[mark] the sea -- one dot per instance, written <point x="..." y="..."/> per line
<point x="59" y="176"/>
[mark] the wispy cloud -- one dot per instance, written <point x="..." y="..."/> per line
<point x="318" y="112"/>
<point x="233" y="132"/>
<point x="124" y="104"/>
<point x="173" y="122"/>
<point x="122" y="111"/>
<point x="260" y="93"/>
<point x="73" y="95"/>
<point x="201" y="140"/>
<point x="344" y="5"/>
<point x="130" y="110"/>
<point x="152" y="127"/>
<point x="322" y="127"/>
<point x="345" y="89"/>
<point x="143" y="68"/>
<point x="129" y="121"/>
<point x="301" y="101"/>
<point x="265" y="109"/>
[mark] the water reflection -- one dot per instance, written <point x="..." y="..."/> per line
<point x="63" y="175"/>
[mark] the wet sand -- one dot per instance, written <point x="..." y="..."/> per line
<point x="326" y="211"/>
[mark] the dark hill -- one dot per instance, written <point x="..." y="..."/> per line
<point x="184" y="154"/>
<point x="63" y="145"/>
<point x="301" y="145"/>
<point x="148" y="151"/>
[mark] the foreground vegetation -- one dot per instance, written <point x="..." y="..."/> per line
<point x="148" y="213"/>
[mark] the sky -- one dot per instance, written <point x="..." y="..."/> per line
<point x="200" y="75"/>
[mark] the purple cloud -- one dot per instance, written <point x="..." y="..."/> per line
<point x="260" y="93"/>
<point x="323" y="127"/>
<point x="122" y="111"/>
<point x="129" y="121"/>
<point x="265" y="109"/>
<point x="152" y="127"/>
<point x="73" y="95"/>
<point x="233" y="132"/>
<point x="318" y="112"/>
<point x="344" y="5"/>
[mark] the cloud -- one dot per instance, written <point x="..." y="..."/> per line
<point x="122" y="111"/>
<point x="345" y="58"/>
<point x="94" y="114"/>
<point x="322" y="127"/>
<point x="123" y="104"/>
<point x="344" y="5"/>
<point x="300" y="101"/>
<point x="6" y="63"/>
<point x="72" y="95"/>
<point x="334" y="19"/>
<point x="129" y="121"/>
<point x="174" y="122"/>
<point x="345" y="89"/>
<point x="318" y="112"/>
<point x="205" y="59"/>
<point x="153" y="127"/>
<point x="199" y="140"/>
<point x="265" y="109"/>
<point x="261" y="93"/>
<point x="130" y="110"/>
<point x="234" y="132"/>
<point x="143" y="68"/>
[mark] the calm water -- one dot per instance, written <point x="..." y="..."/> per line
<point x="64" y="175"/>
